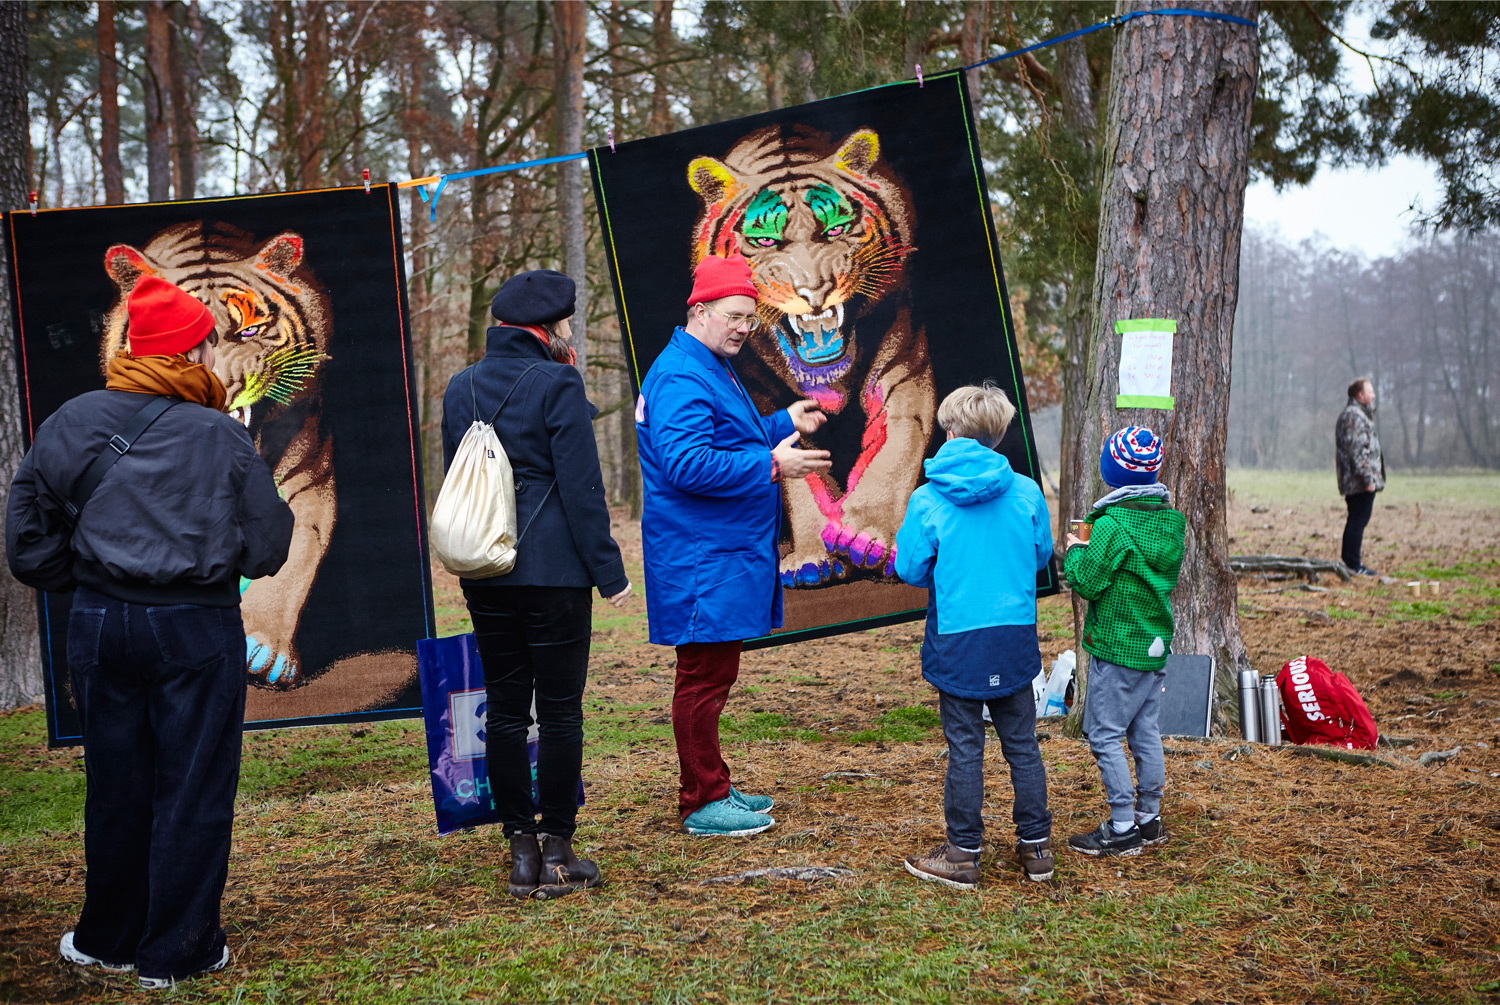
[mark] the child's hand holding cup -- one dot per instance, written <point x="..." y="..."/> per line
<point x="1078" y="533"/>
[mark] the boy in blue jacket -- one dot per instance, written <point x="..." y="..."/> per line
<point x="975" y="536"/>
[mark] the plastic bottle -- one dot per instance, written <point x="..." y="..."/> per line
<point x="1057" y="684"/>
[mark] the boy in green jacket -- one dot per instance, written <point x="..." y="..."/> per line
<point x="1125" y="570"/>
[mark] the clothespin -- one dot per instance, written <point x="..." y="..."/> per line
<point x="611" y="134"/>
<point x="366" y="173"/>
<point x="31" y="198"/>
<point x="919" y="76"/>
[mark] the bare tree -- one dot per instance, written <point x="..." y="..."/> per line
<point x="569" y="21"/>
<point x="20" y="645"/>
<point x="1177" y="159"/>
<point x="109" y="107"/>
<point x="157" y="85"/>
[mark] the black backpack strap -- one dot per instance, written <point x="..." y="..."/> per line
<point x="116" y="448"/>
<point x="512" y="390"/>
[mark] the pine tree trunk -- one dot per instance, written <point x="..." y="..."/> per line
<point x="569" y="19"/>
<point x="157" y="86"/>
<point x="109" y="107"/>
<point x="661" y="45"/>
<point x="1176" y="161"/>
<point x="181" y="62"/>
<point x="20" y="645"/>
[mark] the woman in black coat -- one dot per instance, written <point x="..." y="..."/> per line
<point x="533" y="624"/>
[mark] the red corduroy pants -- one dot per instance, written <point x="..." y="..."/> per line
<point x="705" y="673"/>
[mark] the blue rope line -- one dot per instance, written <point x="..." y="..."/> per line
<point x="1111" y="22"/>
<point x="445" y="179"/>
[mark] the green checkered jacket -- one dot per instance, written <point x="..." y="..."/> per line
<point x="1125" y="572"/>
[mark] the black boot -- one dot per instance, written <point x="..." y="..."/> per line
<point x="525" y="865"/>
<point x="562" y="871"/>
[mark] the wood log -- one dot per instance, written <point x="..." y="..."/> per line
<point x="1342" y="756"/>
<point x="802" y="873"/>
<point x="1294" y="564"/>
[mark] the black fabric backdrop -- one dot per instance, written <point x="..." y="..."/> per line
<point x="648" y="212"/>
<point x="371" y="598"/>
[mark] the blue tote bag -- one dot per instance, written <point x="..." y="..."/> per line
<point x="453" y="707"/>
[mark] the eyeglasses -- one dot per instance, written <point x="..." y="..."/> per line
<point x="736" y="320"/>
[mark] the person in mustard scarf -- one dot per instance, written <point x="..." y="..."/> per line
<point x="156" y="647"/>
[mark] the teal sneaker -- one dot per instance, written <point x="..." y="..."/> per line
<point x="755" y="804"/>
<point x="726" y="818"/>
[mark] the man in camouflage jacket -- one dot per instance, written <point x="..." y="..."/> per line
<point x="1361" y="468"/>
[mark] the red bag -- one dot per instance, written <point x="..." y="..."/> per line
<point x="1320" y="706"/>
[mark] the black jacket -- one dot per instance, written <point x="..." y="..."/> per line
<point x="178" y="520"/>
<point x="546" y="429"/>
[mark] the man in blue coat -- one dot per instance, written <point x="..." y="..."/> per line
<point x="711" y="468"/>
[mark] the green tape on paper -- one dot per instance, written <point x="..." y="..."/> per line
<point x="1144" y="401"/>
<point x="1146" y="325"/>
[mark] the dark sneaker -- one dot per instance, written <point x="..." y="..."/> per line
<point x="73" y="954"/>
<point x="1365" y="570"/>
<point x="1153" y="831"/>
<point x="947" y="865"/>
<point x="168" y="983"/>
<point x="1036" y="859"/>
<point x="1105" y="841"/>
<point x="745" y="801"/>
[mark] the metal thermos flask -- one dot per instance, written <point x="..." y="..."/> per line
<point x="1270" y="711"/>
<point x="1250" y="705"/>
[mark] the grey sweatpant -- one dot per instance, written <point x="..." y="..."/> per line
<point x="1119" y="704"/>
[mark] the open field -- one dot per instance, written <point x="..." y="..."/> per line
<point x="1287" y="878"/>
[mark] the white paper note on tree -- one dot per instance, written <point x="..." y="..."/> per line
<point x="1145" y="363"/>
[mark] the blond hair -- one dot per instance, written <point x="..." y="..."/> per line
<point x="981" y="412"/>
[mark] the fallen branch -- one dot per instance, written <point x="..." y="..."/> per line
<point x="1438" y="756"/>
<point x="803" y="873"/>
<point x="847" y="774"/>
<point x="1296" y="565"/>
<point x="1342" y="756"/>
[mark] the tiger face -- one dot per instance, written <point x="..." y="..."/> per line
<point x="825" y="228"/>
<point x="271" y="314"/>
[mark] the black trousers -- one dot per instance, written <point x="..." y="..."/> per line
<point x="533" y="641"/>
<point x="1361" y="505"/>
<point x="161" y="693"/>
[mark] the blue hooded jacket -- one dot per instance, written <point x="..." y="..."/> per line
<point x="975" y="536"/>
<point x="711" y="515"/>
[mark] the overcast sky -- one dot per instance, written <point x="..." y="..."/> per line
<point x="1355" y="210"/>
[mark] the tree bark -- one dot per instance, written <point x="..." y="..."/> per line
<point x="1176" y="161"/>
<point x="661" y="45"/>
<point x="181" y="66"/>
<point x="157" y="85"/>
<point x="20" y="645"/>
<point x="109" y="107"/>
<point x="569" y="21"/>
<point x="630" y="468"/>
<point x="313" y="73"/>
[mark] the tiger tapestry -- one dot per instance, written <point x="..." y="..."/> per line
<point x="314" y="353"/>
<point x="866" y="222"/>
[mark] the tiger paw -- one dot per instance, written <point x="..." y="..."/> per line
<point x="795" y="575"/>
<point x="864" y="550"/>
<point x="269" y="665"/>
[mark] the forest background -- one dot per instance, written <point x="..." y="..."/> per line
<point x="165" y="99"/>
<point x="156" y="100"/>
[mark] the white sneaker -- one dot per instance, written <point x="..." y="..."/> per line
<point x="71" y="953"/>
<point x="167" y="983"/>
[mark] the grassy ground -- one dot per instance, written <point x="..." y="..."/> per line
<point x="1287" y="878"/>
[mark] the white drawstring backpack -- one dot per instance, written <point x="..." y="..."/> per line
<point x="473" y="526"/>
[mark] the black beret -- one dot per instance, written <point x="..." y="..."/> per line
<point x="534" y="298"/>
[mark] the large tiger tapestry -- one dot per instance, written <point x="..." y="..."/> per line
<point x="867" y="226"/>
<point x="307" y="293"/>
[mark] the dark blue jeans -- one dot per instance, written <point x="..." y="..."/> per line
<point x="963" y="792"/>
<point x="533" y="641"/>
<point x="161" y="693"/>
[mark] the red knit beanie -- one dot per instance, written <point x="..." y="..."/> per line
<point x="717" y="277"/>
<point x="165" y="321"/>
